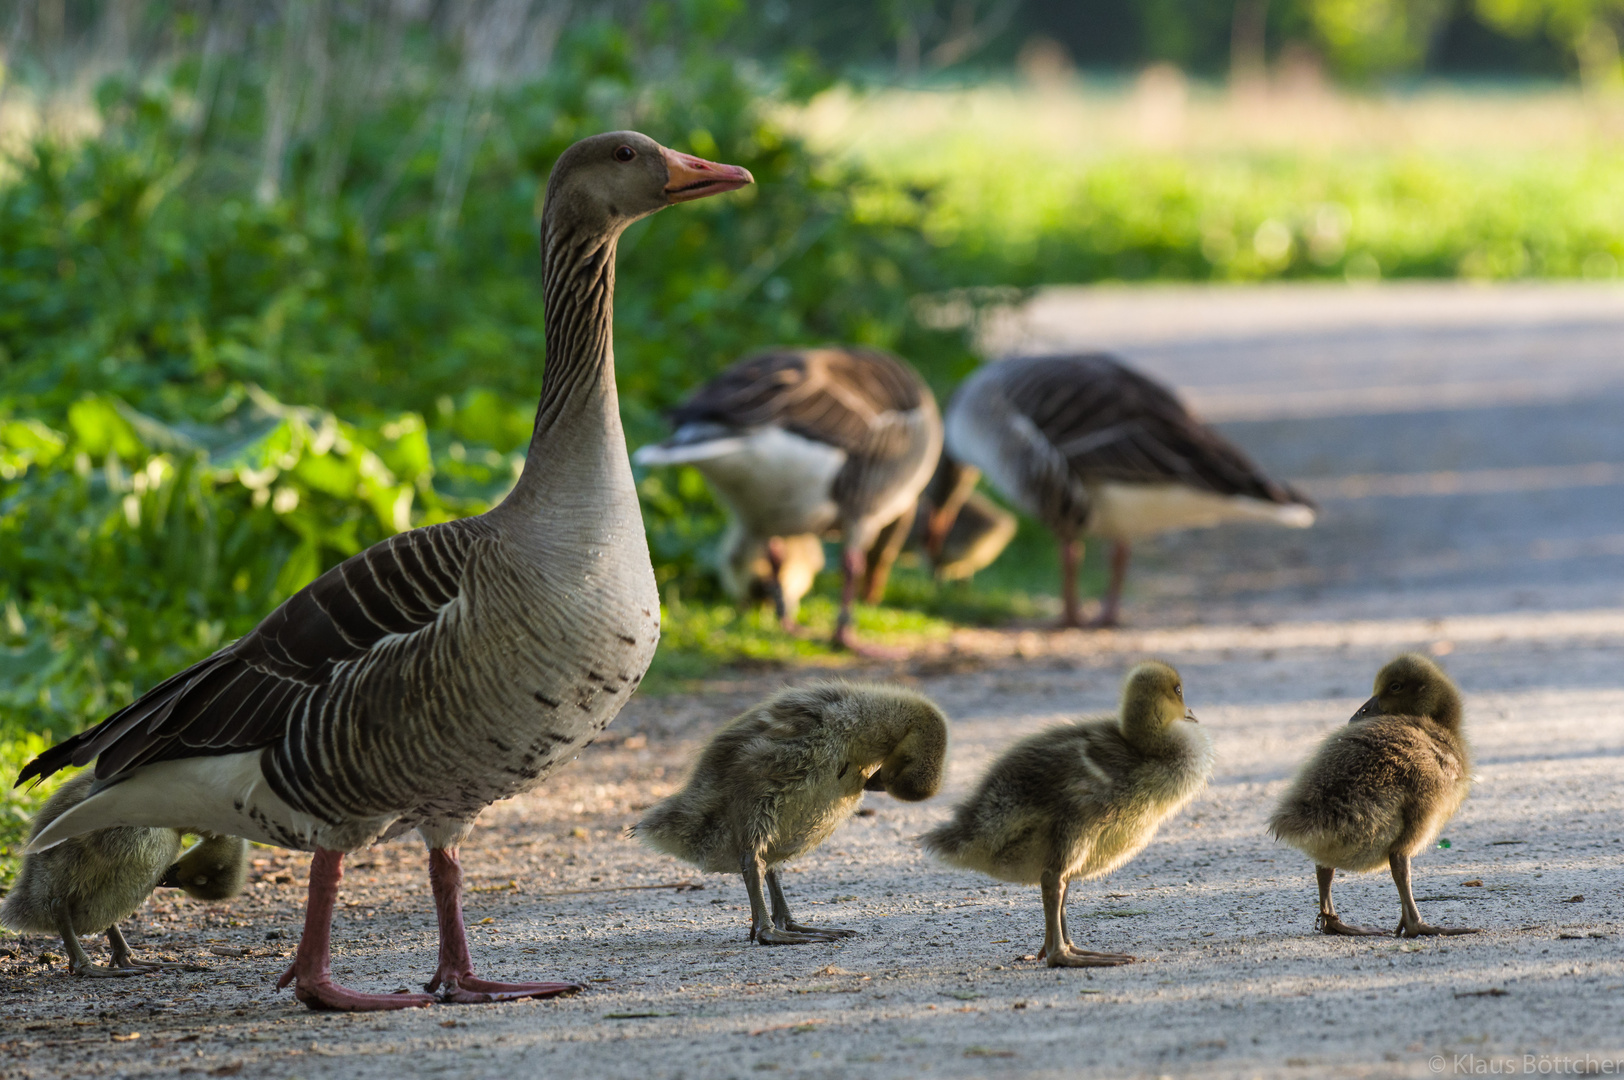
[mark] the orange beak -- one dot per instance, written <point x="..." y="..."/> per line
<point x="694" y="178"/>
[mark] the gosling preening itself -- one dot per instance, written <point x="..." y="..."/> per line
<point x="1079" y="800"/>
<point x="779" y="779"/>
<point x="1378" y="790"/>
<point x="92" y="881"/>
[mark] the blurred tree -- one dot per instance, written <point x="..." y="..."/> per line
<point x="1362" y="38"/>
<point x="1590" y="28"/>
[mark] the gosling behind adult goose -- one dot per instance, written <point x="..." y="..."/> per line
<point x="1079" y="800"/>
<point x="1378" y="790"/>
<point x="780" y="778"/>
<point x="447" y="667"/>
<point x="960" y="529"/>
<point x="93" y="881"/>
<point x="801" y="441"/>
<point x="1090" y="447"/>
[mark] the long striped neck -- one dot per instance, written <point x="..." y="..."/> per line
<point x="579" y="411"/>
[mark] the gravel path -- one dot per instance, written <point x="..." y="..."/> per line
<point x="1462" y="515"/>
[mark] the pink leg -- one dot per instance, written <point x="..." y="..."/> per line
<point x="310" y="971"/>
<point x="1071" y="556"/>
<point x="1111" y="606"/>
<point x="853" y="563"/>
<point x="455" y="978"/>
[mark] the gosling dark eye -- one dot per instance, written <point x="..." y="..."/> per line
<point x="1395" y="688"/>
<point x="1179" y="690"/>
<point x="624" y="153"/>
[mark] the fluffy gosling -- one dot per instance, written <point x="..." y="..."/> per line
<point x="91" y="882"/>
<point x="1079" y="800"/>
<point x="779" y="779"/>
<point x="1378" y="791"/>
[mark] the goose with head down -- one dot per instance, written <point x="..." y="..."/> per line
<point x="450" y="666"/>
<point x="1091" y="447"/>
<point x="801" y="441"/>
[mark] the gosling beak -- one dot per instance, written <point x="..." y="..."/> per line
<point x="1373" y="707"/>
<point x="1189" y="714"/>
<point x="693" y="178"/>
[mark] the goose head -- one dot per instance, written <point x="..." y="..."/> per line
<point x="912" y="770"/>
<point x="1412" y="685"/>
<point x="1152" y="702"/>
<point x="606" y="182"/>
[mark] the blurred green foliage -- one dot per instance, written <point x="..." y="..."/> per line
<point x="1255" y="217"/>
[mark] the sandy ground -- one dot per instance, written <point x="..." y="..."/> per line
<point x="1480" y="523"/>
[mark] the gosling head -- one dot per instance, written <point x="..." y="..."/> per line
<point x="912" y="770"/>
<point x="1153" y="701"/>
<point x="608" y="181"/>
<point x="1412" y="685"/>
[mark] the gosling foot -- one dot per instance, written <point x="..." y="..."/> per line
<point x="467" y="988"/>
<point x="1072" y="956"/>
<point x="1421" y="929"/>
<point x="161" y="965"/>
<point x="1330" y="924"/>
<point x="772" y="935"/>
<point x="99" y="971"/>
<point x="829" y="932"/>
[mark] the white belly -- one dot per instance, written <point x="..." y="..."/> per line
<point x="1130" y="512"/>
<point x="777" y="483"/>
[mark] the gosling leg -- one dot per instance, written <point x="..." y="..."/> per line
<point x="1409" y="923"/>
<point x="123" y="959"/>
<point x="783" y="920"/>
<point x="762" y="929"/>
<point x="78" y="962"/>
<point x="1057" y="950"/>
<point x="1327" y="922"/>
<point x="1065" y="932"/>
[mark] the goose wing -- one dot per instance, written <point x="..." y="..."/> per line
<point x="1111" y="423"/>
<point x="847" y="397"/>
<point x="248" y="694"/>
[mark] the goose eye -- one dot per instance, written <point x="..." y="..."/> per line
<point x="1179" y="690"/>
<point x="624" y="153"/>
<point x="1395" y="687"/>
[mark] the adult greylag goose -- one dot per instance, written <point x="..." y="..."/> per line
<point x="1079" y="800"/>
<point x="776" y="781"/>
<point x="801" y="441"/>
<point x="448" y="667"/>
<point x="1090" y="447"/>
<point x="93" y="881"/>
<point x="1378" y="790"/>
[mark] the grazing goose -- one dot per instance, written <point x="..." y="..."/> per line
<point x="89" y="883"/>
<point x="779" y="779"/>
<point x="1379" y="789"/>
<point x="448" y="667"/>
<point x="799" y="441"/>
<point x="1079" y="800"/>
<point x="1089" y="447"/>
